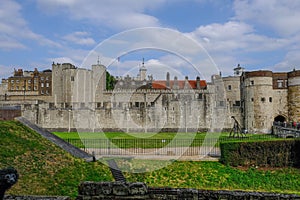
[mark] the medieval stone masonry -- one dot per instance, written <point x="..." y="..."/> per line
<point x="70" y="98"/>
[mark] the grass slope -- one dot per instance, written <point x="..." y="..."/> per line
<point x="44" y="168"/>
<point x="215" y="176"/>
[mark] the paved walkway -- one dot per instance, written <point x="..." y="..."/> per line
<point x="174" y="153"/>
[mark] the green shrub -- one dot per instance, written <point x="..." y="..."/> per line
<point x="277" y="153"/>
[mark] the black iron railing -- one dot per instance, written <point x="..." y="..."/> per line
<point x="169" y="147"/>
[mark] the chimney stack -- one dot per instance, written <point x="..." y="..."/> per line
<point x="198" y="82"/>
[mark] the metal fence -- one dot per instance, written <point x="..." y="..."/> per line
<point x="158" y="147"/>
<point x="286" y="132"/>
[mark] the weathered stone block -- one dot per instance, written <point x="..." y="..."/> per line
<point x="120" y="189"/>
<point x="138" y="189"/>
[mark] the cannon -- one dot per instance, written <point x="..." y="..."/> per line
<point x="237" y="131"/>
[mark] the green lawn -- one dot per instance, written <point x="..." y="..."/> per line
<point x="120" y="135"/>
<point x="150" y="140"/>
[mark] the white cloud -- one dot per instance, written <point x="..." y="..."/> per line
<point x="238" y="42"/>
<point x="233" y="36"/>
<point x="290" y="62"/>
<point x="8" y="43"/>
<point x="5" y="71"/>
<point x="280" y="16"/>
<point x="80" y="38"/>
<point x="13" y="28"/>
<point x="111" y="13"/>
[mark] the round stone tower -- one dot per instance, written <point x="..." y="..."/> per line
<point x="294" y="95"/>
<point x="257" y="94"/>
<point x="98" y="81"/>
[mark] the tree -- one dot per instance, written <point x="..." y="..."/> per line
<point x="110" y="81"/>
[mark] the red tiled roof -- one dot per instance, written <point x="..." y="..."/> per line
<point x="162" y="84"/>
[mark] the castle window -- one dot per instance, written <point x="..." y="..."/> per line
<point x="51" y="105"/>
<point x="221" y="103"/>
<point x="263" y="99"/>
<point x="17" y="88"/>
<point x="72" y="78"/>
<point x="252" y="82"/>
<point x="47" y="78"/>
<point x="35" y="87"/>
<point x="42" y="84"/>
<point x="42" y="78"/>
<point x="201" y="96"/>
<point x="237" y="103"/>
<point x="17" y="81"/>
<point x="47" y="84"/>
<point x="173" y="119"/>
<point x="279" y="83"/>
<point x="12" y="81"/>
<point x="229" y="87"/>
<point x="252" y="99"/>
<point x="29" y="81"/>
<point x="270" y="99"/>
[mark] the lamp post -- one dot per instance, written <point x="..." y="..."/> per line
<point x="185" y="115"/>
<point x="24" y="88"/>
<point x="69" y="128"/>
<point x="145" y="113"/>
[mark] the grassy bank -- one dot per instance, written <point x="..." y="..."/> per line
<point x="44" y="168"/>
<point x="215" y="176"/>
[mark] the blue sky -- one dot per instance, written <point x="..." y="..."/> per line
<point x="257" y="34"/>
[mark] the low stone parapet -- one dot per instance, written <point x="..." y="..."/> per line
<point x="12" y="197"/>
<point x="119" y="190"/>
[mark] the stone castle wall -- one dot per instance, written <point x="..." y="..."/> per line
<point x="294" y="96"/>
<point x="259" y="110"/>
<point x="255" y="99"/>
<point x="144" y="112"/>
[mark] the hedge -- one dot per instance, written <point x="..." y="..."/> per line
<point x="277" y="153"/>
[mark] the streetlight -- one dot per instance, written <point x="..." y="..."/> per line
<point x="185" y="115"/>
<point x="24" y="88"/>
<point x="69" y="129"/>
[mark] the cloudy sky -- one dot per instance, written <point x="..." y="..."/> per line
<point x="254" y="33"/>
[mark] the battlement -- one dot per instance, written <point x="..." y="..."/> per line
<point x="260" y="73"/>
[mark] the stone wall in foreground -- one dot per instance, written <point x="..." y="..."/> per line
<point x="12" y="197"/>
<point x="119" y="190"/>
<point x="140" y="191"/>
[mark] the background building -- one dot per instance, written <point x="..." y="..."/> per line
<point x="68" y="97"/>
